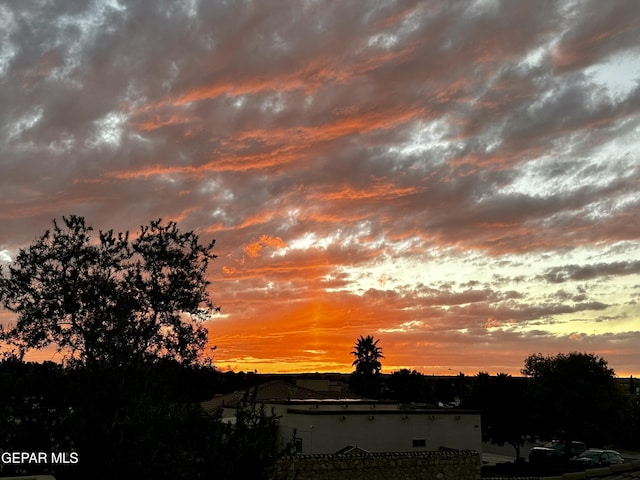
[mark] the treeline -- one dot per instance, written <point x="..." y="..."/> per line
<point x="145" y="422"/>
<point x="573" y="396"/>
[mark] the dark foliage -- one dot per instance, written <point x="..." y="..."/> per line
<point x="410" y="386"/>
<point x="128" y="317"/>
<point x="365" y="379"/>
<point x="115" y="302"/>
<point x="502" y="403"/>
<point x="575" y="396"/>
<point x="249" y="447"/>
<point x="146" y="423"/>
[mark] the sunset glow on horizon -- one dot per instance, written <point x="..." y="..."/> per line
<point x="458" y="179"/>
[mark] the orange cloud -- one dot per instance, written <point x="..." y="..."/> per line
<point x="379" y="190"/>
<point x="254" y="249"/>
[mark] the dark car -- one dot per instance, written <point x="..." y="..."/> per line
<point x="597" y="458"/>
<point x="554" y="451"/>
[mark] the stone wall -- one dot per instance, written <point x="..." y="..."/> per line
<point x="437" y="465"/>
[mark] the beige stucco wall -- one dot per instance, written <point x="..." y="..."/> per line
<point x="325" y="432"/>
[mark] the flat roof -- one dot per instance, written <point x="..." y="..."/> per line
<point x="331" y="401"/>
<point x="447" y="412"/>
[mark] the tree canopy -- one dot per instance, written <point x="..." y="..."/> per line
<point x="408" y="386"/>
<point x="113" y="301"/>
<point x="501" y="399"/>
<point x="574" y="396"/>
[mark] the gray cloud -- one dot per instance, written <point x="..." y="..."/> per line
<point x="590" y="272"/>
<point x="359" y="135"/>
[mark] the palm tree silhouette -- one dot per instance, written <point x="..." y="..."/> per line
<point x="368" y="355"/>
<point x="364" y="380"/>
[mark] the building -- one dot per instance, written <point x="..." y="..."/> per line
<point x="328" y="422"/>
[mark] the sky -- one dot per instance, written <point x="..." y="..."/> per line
<point x="458" y="179"/>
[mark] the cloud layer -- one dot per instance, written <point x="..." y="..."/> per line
<point x="459" y="179"/>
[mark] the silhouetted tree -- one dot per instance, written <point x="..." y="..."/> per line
<point x="501" y="400"/>
<point x="368" y="355"/>
<point x="574" y="397"/>
<point x="249" y="447"/>
<point x="410" y="386"/>
<point x="367" y="362"/>
<point x="128" y="316"/>
<point x="113" y="302"/>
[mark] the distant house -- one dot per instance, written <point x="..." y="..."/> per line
<point x="327" y="422"/>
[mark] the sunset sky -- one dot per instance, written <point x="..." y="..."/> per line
<point x="459" y="179"/>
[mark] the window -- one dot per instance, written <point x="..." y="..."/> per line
<point x="419" y="442"/>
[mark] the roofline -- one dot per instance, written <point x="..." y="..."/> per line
<point x="329" y="401"/>
<point x="298" y="411"/>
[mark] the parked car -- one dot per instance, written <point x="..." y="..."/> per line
<point x="554" y="451"/>
<point x="597" y="458"/>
